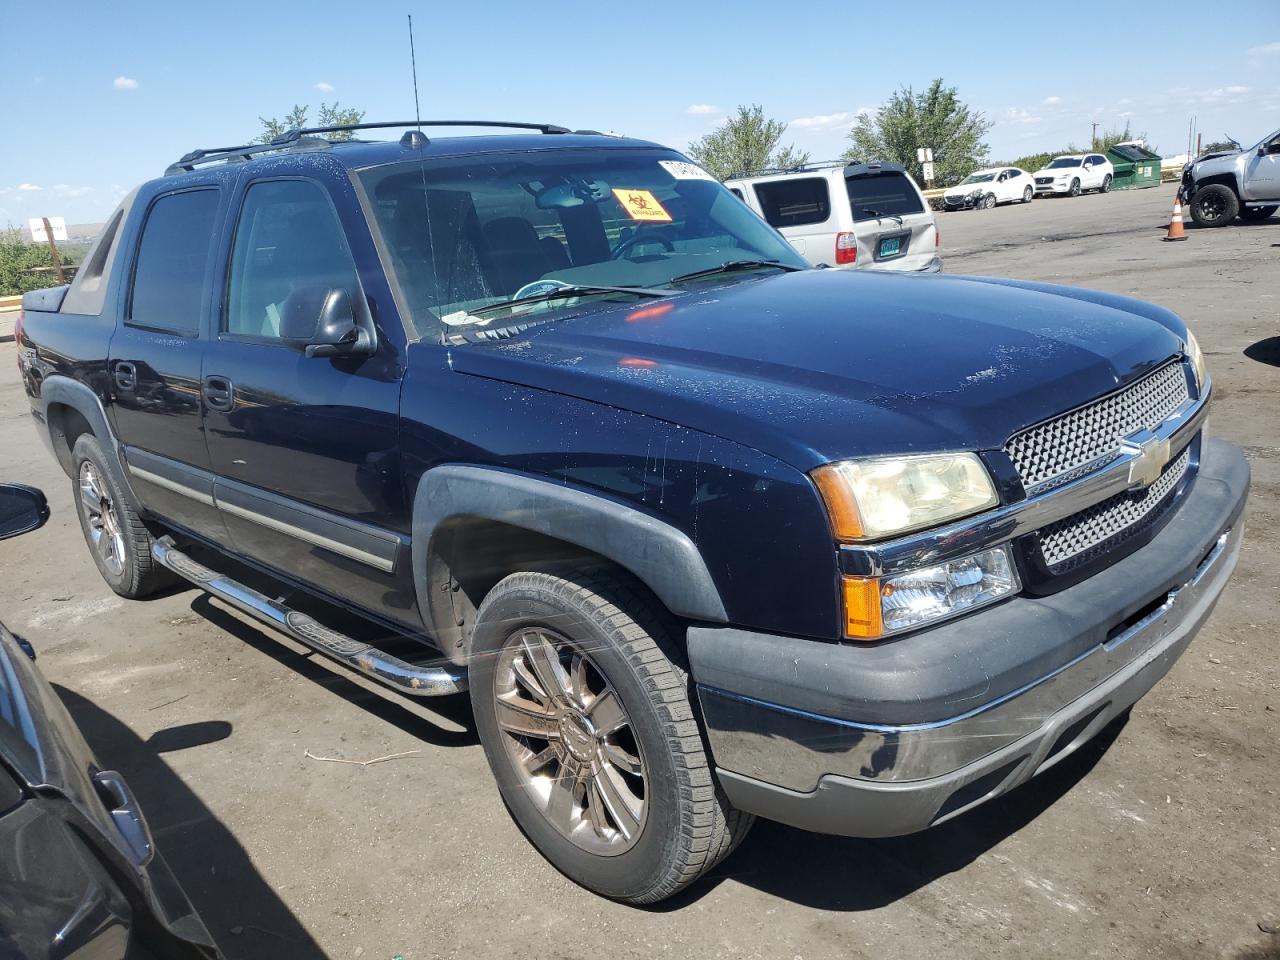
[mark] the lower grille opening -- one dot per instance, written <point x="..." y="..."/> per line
<point x="976" y="790"/>
<point x="1136" y="617"/>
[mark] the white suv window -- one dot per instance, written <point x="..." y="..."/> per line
<point x="794" y="202"/>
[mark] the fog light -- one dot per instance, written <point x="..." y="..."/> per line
<point x="879" y="607"/>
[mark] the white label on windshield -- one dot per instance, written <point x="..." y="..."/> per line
<point x="685" y="171"/>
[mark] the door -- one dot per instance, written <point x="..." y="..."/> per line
<point x="1014" y="183"/>
<point x="154" y="361"/>
<point x="305" y="449"/>
<point x="1262" y="172"/>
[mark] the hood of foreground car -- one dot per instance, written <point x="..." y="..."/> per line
<point x="822" y="365"/>
<point x="964" y="189"/>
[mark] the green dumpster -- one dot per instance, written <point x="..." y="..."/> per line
<point x="1136" y="167"/>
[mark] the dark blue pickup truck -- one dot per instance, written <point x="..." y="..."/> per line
<point x="707" y="534"/>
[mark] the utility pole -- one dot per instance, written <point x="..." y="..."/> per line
<point x="53" y="252"/>
<point x="1093" y="139"/>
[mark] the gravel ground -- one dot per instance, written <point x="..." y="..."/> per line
<point x="1159" y="842"/>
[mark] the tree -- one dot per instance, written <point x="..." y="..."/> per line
<point x="26" y="266"/>
<point x="331" y="115"/>
<point x="1036" y="161"/>
<point x="934" y="118"/>
<point x="745" y="145"/>
<point x="1220" y="146"/>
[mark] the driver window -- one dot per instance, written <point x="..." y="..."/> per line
<point x="1274" y="146"/>
<point x="289" y="249"/>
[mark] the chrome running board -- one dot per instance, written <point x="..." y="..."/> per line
<point x="435" y="680"/>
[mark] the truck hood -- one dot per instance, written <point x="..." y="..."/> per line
<point x="822" y="365"/>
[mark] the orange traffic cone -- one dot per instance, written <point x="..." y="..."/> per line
<point x="1175" y="222"/>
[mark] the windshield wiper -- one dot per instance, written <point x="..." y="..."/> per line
<point x="564" y="293"/>
<point x="880" y="216"/>
<point x="733" y="266"/>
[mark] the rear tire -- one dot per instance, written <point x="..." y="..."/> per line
<point x="583" y="708"/>
<point x="1257" y="214"/>
<point x="118" y="541"/>
<point x="1215" y="205"/>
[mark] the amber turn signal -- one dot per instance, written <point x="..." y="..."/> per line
<point x="862" y="617"/>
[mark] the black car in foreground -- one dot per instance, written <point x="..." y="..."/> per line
<point x="79" y="874"/>
<point x="707" y="533"/>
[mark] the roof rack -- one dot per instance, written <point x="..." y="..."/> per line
<point x="862" y="167"/>
<point x="300" y="135"/>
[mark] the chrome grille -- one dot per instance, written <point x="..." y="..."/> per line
<point x="1089" y="437"/>
<point x="1044" y="180"/>
<point x="1091" y="532"/>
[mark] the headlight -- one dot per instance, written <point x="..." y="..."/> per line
<point x="878" y="498"/>
<point x="1197" y="361"/>
<point x="878" y="607"/>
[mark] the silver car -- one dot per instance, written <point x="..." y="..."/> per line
<point x="855" y="215"/>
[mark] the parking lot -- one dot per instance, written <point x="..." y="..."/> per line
<point x="1159" y="840"/>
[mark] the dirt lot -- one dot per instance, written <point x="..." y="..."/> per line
<point x="1160" y="843"/>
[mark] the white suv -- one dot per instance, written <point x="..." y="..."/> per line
<point x="1073" y="175"/>
<point x="856" y="215"/>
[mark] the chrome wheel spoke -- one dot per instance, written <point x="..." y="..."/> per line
<point x="560" y="807"/>
<point x="542" y="757"/>
<point x="606" y="713"/>
<point x="596" y="811"/>
<point x="622" y="759"/>
<point x="526" y="719"/>
<point x="90" y="498"/>
<point x="624" y="807"/>
<point x="542" y="658"/>
<point x="579" y="687"/>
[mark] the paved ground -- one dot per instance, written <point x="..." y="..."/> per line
<point x="1161" y="843"/>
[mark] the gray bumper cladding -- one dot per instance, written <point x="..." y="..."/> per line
<point x="851" y="754"/>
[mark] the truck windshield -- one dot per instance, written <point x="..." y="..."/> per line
<point x="468" y="233"/>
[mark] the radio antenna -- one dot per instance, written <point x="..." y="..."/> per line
<point x="413" y="60"/>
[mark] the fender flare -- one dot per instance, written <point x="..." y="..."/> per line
<point x="656" y="553"/>
<point x="81" y="398"/>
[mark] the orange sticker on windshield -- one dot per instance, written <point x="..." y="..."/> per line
<point x="642" y="205"/>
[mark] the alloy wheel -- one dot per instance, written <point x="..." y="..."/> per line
<point x="570" y="740"/>
<point x="105" y="535"/>
<point x="1212" y="208"/>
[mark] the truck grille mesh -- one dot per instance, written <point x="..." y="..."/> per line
<point x="1090" y="533"/>
<point x="1059" y="450"/>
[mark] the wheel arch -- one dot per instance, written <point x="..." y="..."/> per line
<point x="472" y="526"/>
<point x="1224" y="179"/>
<point x="70" y="409"/>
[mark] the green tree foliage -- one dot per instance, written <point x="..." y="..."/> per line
<point x="331" y="115"/>
<point x="26" y="266"/>
<point x="744" y="145"/>
<point x="934" y="118"/>
<point x="1219" y="146"/>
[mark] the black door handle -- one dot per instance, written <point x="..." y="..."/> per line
<point x="218" y="393"/>
<point x="126" y="375"/>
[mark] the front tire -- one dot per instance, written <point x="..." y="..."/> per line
<point x="1075" y="188"/>
<point x="583" y="708"/>
<point x="988" y="202"/>
<point x="1106" y="184"/>
<point x="118" y="541"/>
<point x="1215" y="205"/>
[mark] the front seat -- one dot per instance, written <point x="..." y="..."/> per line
<point x="515" y="256"/>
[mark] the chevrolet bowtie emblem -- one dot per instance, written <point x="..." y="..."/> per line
<point x="1149" y="460"/>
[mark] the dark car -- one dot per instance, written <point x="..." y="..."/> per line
<point x="79" y="873"/>
<point x="708" y="534"/>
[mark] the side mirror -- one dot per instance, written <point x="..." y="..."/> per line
<point x="22" y="509"/>
<point x="338" y="331"/>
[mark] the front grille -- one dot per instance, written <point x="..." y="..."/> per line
<point x="1043" y="181"/>
<point x="1092" y="532"/>
<point x="1089" y="437"/>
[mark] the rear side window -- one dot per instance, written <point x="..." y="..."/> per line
<point x="1014" y="173"/>
<point x="795" y="202"/>
<point x="173" y="263"/>
<point x="88" y="290"/>
<point x="737" y="193"/>
<point x="289" y="252"/>
<point x="887" y="194"/>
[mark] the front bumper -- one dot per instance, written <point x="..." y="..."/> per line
<point x="1058" y="186"/>
<point x="793" y="723"/>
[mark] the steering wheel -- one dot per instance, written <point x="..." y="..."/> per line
<point x="639" y="237"/>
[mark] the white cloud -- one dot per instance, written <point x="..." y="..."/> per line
<point x="864" y="111"/>
<point x="1020" y="116"/>
<point x="1237" y="89"/>
<point x="1266" y="50"/>
<point x="29" y="186"/>
<point x="1051" y="101"/>
<point x="701" y="109"/>
<point x="823" y="121"/>
<point x="325" y="87"/>
<point x="125" y="83"/>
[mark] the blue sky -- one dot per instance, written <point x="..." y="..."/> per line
<point x="99" y="97"/>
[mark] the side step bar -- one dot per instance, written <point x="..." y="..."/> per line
<point x="418" y="681"/>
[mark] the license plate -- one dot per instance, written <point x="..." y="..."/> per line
<point x="891" y="247"/>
